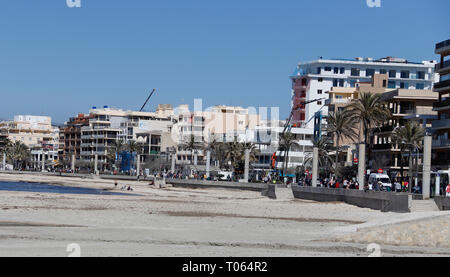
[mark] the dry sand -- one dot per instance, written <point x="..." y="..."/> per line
<point x="202" y="222"/>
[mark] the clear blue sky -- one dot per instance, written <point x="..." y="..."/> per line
<point x="59" y="61"/>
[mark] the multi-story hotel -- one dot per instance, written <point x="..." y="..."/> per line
<point x="37" y="133"/>
<point x="107" y="125"/>
<point x="441" y="127"/>
<point x="314" y="79"/>
<point x="70" y="137"/>
<point x="405" y="105"/>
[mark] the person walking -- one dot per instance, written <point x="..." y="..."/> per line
<point x="448" y="190"/>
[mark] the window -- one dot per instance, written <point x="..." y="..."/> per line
<point x="328" y="68"/>
<point x="319" y="70"/>
<point x="383" y="71"/>
<point x="392" y="73"/>
<point x="355" y="72"/>
<point x="405" y="74"/>
<point x="420" y="86"/>
<point x="404" y="85"/>
<point x="342" y="70"/>
<point x="341" y="83"/>
<point x="319" y="91"/>
<point x="336" y="70"/>
<point x="352" y="83"/>
<point x="370" y="72"/>
<point x="384" y="83"/>
<point x="421" y="75"/>
<point x="320" y="80"/>
<point x="319" y="103"/>
<point x="335" y="83"/>
<point x="392" y="84"/>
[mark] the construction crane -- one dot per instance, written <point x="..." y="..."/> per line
<point x="288" y="128"/>
<point x="148" y="98"/>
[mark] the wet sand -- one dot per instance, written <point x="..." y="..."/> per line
<point x="196" y="222"/>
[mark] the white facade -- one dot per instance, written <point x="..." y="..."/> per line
<point x="323" y="74"/>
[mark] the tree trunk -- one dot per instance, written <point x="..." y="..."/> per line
<point x="410" y="171"/>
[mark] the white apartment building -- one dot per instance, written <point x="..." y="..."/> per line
<point x="110" y="124"/>
<point x="312" y="80"/>
<point x="37" y="133"/>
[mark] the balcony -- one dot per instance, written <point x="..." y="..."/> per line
<point x="441" y="143"/>
<point x="443" y="67"/>
<point x="443" y="47"/>
<point x="385" y="147"/>
<point x="442" y="86"/>
<point x="442" y="104"/>
<point x="441" y="124"/>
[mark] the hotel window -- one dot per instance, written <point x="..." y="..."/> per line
<point x="420" y="86"/>
<point x="421" y="75"/>
<point x="355" y="72"/>
<point x="319" y="103"/>
<point x="336" y="70"/>
<point x="405" y="74"/>
<point x="404" y="85"/>
<point x="342" y="70"/>
<point x="335" y="83"/>
<point x="383" y="71"/>
<point x="319" y="91"/>
<point x="341" y="82"/>
<point x="327" y="68"/>
<point x="319" y="70"/>
<point x="392" y="84"/>
<point x="370" y="72"/>
<point x="320" y="80"/>
<point x="392" y="74"/>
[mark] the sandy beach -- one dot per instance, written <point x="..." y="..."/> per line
<point x="203" y="222"/>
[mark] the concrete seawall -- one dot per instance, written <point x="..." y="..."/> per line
<point x="215" y="184"/>
<point x="442" y="202"/>
<point x="382" y="201"/>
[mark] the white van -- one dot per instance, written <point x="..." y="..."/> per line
<point x="225" y="175"/>
<point x="383" y="178"/>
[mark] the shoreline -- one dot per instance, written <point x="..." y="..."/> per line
<point x="204" y="221"/>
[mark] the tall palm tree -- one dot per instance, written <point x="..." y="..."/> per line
<point x="192" y="145"/>
<point x="116" y="147"/>
<point x="409" y="137"/>
<point x="234" y="154"/>
<point x="134" y="147"/>
<point x="287" y="140"/>
<point x="324" y="147"/>
<point x="217" y="149"/>
<point x="370" y="112"/>
<point x="342" y="126"/>
<point x="18" y="153"/>
<point x="253" y="151"/>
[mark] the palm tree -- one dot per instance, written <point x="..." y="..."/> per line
<point x="370" y="112"/>
<point x="341" y="125"/>
<point x="324" y="147"/>
<point x="234" y="154"/>
<point x="217" y="149"/>
<point x="253" y="151"/>
<point x="116" y="147"/>
<point x="134" y="147"/>
<point x="18" y="153"/>
<point x="409" y="137"/>
<point x="192" y="145"/>
<point x="287" y="140"/>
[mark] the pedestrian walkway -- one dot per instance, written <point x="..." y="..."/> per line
<point x="424" y="206"/>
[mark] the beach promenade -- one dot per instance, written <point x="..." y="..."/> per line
<point x="203" y="222"/>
